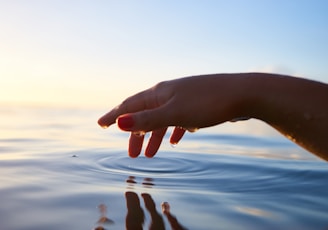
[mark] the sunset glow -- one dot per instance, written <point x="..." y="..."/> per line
<point x="97" y="53"/>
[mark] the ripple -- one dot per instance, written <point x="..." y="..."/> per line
<point x="157" y="167"/>
<point x="197" y="172"/>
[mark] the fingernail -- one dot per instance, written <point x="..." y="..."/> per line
<point x="125" y="122"/>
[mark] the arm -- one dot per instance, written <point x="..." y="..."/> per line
<point x="296" y="107"/>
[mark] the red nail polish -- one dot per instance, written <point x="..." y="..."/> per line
<point x="125" y="122"/>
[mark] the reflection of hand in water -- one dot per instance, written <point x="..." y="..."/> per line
<point x="135" y="216"/>
<point x="156" y="219"/>
<point x="147" y="182"/>
<point x="103" y="219"/>
<point x="175" y="225"/>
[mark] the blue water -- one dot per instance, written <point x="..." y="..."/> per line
<point x="60" y="171"/>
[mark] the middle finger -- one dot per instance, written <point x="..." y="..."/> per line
<point x="155" y="142"/>
<point x="135" y="144"/>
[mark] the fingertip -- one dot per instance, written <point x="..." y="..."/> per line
<point x="154" y="142"/>
<point x="177" y="135"/>
<point x="150" y="153"/>
<point x="151" y="150"/>
<point x="134" y="152"/>
<point x="133" y="155"/>
<point x="135" y="145"/>
<point x="106" y="120"/>
<point x="101" y="123"/>
<point x="109" y="118"/>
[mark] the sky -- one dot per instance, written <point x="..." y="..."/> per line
<point x="96" y="53"/>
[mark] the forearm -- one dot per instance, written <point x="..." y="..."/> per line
<point x="298" y="108"/>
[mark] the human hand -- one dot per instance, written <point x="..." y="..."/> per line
<point x="186" y="103"/>
<point x="203" y="101"/>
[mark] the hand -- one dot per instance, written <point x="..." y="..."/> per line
<point x="203" y="101"/>
<point x="186" y="103"/>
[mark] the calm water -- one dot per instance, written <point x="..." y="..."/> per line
<point x="59" y="170"/>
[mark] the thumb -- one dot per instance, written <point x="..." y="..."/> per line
<point x="146" y="120"/>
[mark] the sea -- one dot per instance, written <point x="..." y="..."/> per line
<point x="60" y="170"/>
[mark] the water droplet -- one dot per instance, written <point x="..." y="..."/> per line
<point x="139" y="133"/>
<point x="173" y="145"/>
<point x="192" y="130"/>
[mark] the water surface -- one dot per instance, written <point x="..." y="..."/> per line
<point x="60" y="171"/>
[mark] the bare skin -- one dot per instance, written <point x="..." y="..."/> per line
<point x="296" y="107"/>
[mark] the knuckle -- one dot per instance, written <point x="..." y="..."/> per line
<point x="160" y="85"/>
<point x="163" y="92"/>
<point x="124" y="106"/>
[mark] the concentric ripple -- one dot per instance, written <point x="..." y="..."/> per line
<point x="228" y="174"/>
<point x="168" y="166"/>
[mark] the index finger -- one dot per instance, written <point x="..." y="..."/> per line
<point x="129" y="105"/>
<point x="144" y="100"/>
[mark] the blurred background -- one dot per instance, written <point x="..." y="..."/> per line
<point x="96" y="53"/>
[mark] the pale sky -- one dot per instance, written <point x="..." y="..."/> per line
<point x="78" y="52"/>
